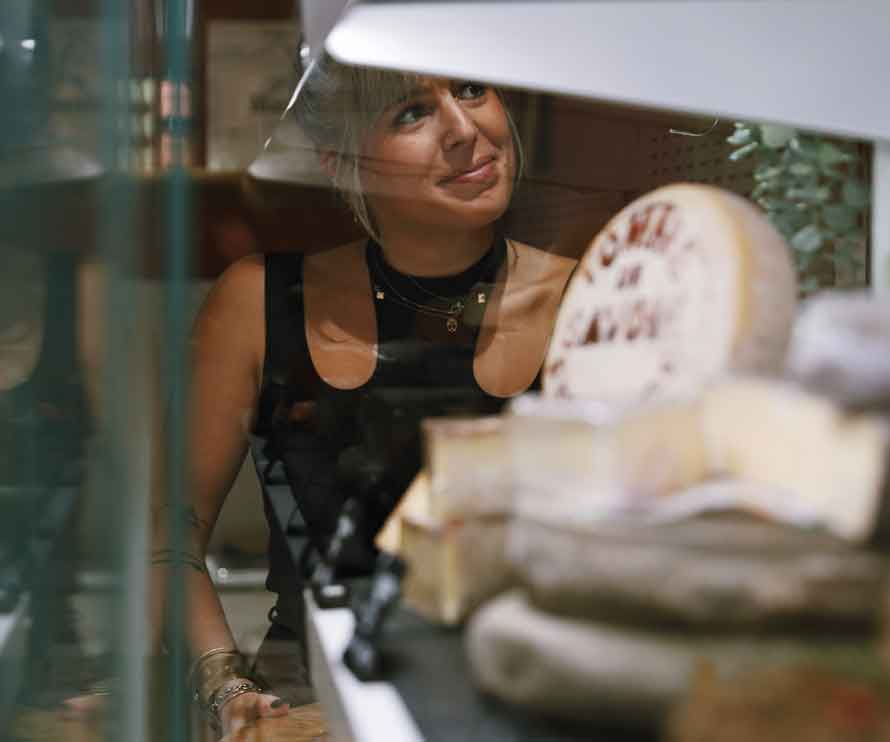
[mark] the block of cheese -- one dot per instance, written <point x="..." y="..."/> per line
<point x="806" y="447"/>
<point x="572" y="469"/>
<point x="468" y="465"/>
<point x="453" y="567"/>
<point x="415" y="503"/>
<point x="684" y="284"/>
<point x="747" y="443"/>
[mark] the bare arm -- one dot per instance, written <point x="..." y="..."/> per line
<point x="227" y="348"/>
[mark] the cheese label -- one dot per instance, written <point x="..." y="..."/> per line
<point x="683" y="284"/>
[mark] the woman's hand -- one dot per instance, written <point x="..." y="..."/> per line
<point x="302" y="724"/>
<point x="247" y="708"/>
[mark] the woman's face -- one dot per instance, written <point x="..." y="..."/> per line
<point x="443" y="158"/>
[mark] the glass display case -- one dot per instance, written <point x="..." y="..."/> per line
<point x="147" y="146"/>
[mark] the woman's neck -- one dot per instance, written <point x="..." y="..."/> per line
<point x="432" y="253"/>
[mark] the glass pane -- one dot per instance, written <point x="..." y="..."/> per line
<point x="233" y="292"/>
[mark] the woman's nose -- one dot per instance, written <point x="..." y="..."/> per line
<point x="459" y="126"/>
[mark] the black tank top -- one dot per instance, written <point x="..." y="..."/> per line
<point x="316" y="446"/>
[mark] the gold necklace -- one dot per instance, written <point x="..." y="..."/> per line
<point x="451" y="315"/>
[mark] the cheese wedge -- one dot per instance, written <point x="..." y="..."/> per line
<point x="453" y="567"/>
<point x="774" y="434"/>
<point x="415" y="503"/>
<point x="755" y="444"/>
<point x="574" y="470"/>
<point x="468" y="464"/>
<point x="683" y="285"/>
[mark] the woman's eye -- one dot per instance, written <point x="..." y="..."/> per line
<point x="471" y="90"/>
<point x="409" y="115"/>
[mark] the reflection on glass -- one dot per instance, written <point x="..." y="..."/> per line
<point x="418" y="234"/>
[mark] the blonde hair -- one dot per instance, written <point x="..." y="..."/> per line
<point x="338" y="106"/>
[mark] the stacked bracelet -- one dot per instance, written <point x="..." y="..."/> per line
<point x="216" y="678"/>
<point x="227" y="692"/>
<point x="212" y="670"/>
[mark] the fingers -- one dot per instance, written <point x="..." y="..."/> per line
<point x="272" y="706"/>
<point x="249" y="707"/>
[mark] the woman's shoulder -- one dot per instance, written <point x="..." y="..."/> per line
<point x="534" y="263"/>
<point x="337" y="264"/>
<point x="243" y="274"/>
<point x="240" y="287"/>
<point x="232" y="312"/>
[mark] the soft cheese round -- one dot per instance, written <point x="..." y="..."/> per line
<point x="684" y="284"/>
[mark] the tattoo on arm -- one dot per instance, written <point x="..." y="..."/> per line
<point x="177" y="556"/>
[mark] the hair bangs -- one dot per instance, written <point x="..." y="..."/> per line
<point x="376" y="90"/>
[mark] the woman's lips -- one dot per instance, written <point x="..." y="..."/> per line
<point x="482" y="173"/>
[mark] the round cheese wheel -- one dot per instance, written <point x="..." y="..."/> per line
<point x="684" y="284"/>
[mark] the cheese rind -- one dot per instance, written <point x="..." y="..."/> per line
<point x="599" y="671"/>
<point x="730" y="572"/>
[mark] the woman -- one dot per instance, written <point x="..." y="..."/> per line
<point x="294" y="354"/>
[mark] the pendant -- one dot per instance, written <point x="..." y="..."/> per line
<point x="451" y="324"/>
<point x="457" y="307"/>
<point x="379" y="293"/>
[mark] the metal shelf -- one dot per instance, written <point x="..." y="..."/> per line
<point x="817" y="64"/>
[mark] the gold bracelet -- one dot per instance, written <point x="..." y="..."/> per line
<point x="212" y="670"/>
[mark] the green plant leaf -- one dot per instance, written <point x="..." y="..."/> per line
<point x="766" y="187"/>
<point x="856" y="194"/>
<point x="804" y="147"/>
<point x="809" y="194"/>
<point x="829" y="154"/>
<point x="775" y="136"/>
<point x="840" y="217"/>
<point x="809" y="285"/>
<point x="743" y="152"/>
<point x="802" y="169"/>
<point x="788" y="222"/>
<point x="769" y="172"/>
<point x="741" y="135"/>
<point x="804" y="260"/>
<point x="807" y="240"/>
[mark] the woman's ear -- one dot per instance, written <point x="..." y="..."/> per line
<point x="327" y="158"/>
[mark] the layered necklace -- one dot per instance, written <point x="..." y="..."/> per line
<point x="451" y="310"/>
